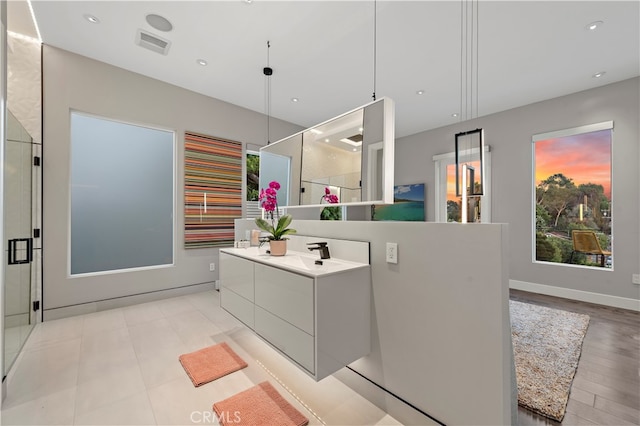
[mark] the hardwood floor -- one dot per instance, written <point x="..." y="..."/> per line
<point x="606" y="387"/>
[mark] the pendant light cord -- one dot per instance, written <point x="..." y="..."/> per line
<point x="477" y="54"/>
<point x="469" y="42"/>
<point x="267" y="72"/>
<point x="461" y="60"/>
<point x="470" y="70"/>
<point x="468" y="54"/>
<point x="375" y="46"/>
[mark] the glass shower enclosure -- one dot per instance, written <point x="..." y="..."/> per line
<point x="20" y="267"/>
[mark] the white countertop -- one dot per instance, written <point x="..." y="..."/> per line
<point x="295" y="261"/>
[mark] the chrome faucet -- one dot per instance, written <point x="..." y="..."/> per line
<point x="322" y="248"/>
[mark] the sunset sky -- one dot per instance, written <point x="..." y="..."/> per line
<point x="451" y="180"/>
<point x="585" y="158"/>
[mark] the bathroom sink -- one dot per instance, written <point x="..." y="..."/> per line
<point x="304" y="263"/>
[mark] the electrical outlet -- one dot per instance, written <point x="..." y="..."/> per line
<point x="392" y="252"/>
<point x="635" y="278"/>
<point x="212" y="267"/>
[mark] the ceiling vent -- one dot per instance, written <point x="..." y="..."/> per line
<point x="152" y="42"/>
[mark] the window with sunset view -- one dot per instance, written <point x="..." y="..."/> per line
<point x="448" y="205"/>
<point x="572" y="192"/>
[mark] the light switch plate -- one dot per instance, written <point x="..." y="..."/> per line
<point x="635" y="278"/>
<point x="392" y="252"/>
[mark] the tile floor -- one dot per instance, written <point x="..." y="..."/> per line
<point x="14" y="337"/>
<point x="121" y="367"/>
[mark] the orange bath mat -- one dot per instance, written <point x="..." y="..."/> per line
<point x="259" y="405"/>
<point x="211" y="363"/>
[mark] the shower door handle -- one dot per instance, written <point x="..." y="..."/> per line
<point x="14" y="244"/>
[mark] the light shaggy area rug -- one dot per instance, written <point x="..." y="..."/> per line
<point x="547" y="344"/>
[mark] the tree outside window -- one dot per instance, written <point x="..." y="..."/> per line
<point x="253" y="176"/>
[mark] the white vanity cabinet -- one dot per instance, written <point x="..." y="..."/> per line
<point x="319" y="317"/>
<point x="285" y="294"/>
<point x="236" y="287"/>
<point x="284" y="308"/>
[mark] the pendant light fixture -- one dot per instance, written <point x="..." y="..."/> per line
<point x="268" y="72"/>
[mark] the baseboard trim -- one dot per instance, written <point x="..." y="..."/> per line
<point x="120" y="302"/>
<point x="583" y="296"/>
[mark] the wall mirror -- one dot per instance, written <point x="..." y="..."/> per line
<point x="352" y="155"/>
<point x="282" y="163"/>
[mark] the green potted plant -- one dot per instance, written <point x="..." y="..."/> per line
<point x="278" y="228"/>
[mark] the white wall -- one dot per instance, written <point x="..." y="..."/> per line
<point x="441" y="334"/>
<point x="509" y="134"/>
<point x="73" y="82"/>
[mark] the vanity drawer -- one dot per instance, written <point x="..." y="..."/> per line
<point x="294" y="342"/>
<point x="286" y="295"/>
<point x="237" y="275"/>
<point x="237" y="306"/>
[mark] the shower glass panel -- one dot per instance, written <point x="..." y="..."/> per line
<point x="20" y="269"/>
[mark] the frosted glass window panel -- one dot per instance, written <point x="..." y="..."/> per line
<point x="122" y="195"/>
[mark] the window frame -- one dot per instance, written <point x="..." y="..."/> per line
<point x="573" y="131"/>
<point x="441" y="161"/>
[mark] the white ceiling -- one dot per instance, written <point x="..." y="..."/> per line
<point x="322" y="52"/>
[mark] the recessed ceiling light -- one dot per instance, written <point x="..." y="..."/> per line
<point x="248" y="1"/>
<point x="159" y="22"/>
<point x="354" y="149"/>
<point x="599" y="74"/>
<point x="201" y="62"/>
<point x="294" y="99"/>
<point x="420" y="92"/>
<point x="455" y="114"/>
<point x="91" y="18"/>
<point x="595" y="24"/>
<point x="327" y="140"/>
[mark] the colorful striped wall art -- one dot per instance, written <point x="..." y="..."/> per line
<point x="212" y="190"/>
